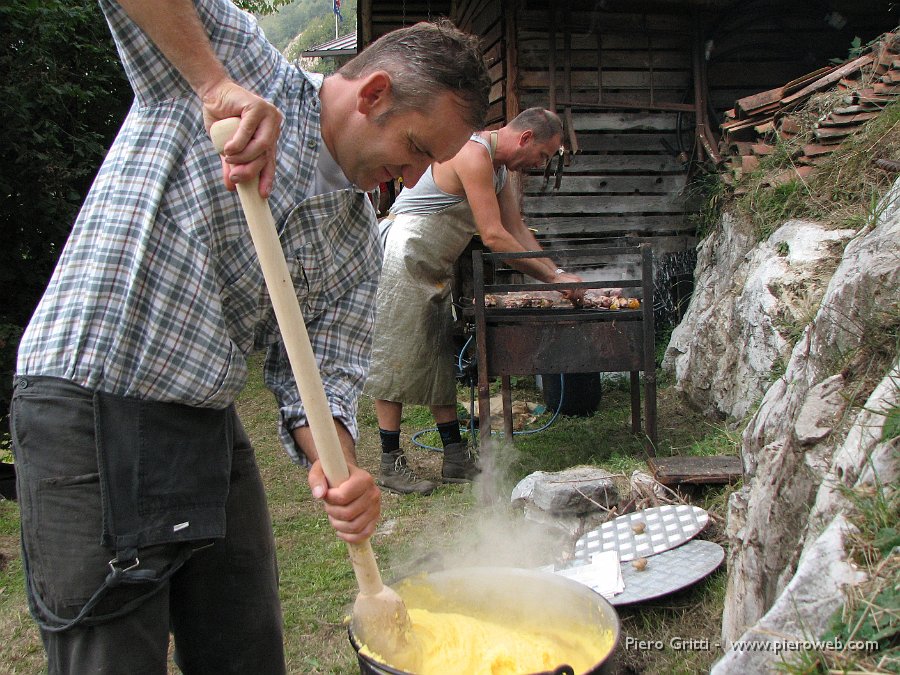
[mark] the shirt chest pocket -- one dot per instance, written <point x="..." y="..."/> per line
<point x="323" y="238"/>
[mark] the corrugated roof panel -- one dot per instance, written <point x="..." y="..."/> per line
<point x="340" y="46"/>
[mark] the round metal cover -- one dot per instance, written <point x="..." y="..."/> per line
<point x="669" y="571"/>
<point x="643" y="533"/>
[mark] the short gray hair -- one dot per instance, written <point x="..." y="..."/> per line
<point x="425" y="60"/>
<point x="544" y="124"/>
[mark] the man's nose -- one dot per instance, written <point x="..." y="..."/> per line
<point x="413" y="172"/>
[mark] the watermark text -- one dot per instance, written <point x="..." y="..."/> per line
<point x="775" y="646"/>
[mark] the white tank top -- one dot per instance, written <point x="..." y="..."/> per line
<point x="426" y="197"/>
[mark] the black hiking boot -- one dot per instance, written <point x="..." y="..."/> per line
<point x="396" y="476"/>
<point x="460" y="464"/>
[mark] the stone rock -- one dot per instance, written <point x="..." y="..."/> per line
<point x="750" y="298"/>
<point x="863" y="460"/>
<point x="572" y="526"/>
<point x="573" y="492"/>
<point x="802" y="611"/>
<point x="820" y="411"/>
<point x="801" y="444"/>
<point x="645" y="486"/>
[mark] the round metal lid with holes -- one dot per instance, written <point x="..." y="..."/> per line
<point x="668" y="571"/>
<point x="643" y="533"/>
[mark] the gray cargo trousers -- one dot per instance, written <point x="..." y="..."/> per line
<point x="221" y="601"/>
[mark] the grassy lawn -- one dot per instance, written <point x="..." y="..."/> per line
<point x="456" y="524"/>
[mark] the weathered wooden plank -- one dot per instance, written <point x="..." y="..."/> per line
<point x="618" y="22"/>
<point x="493" y="55"/>
<point x="410" y="10"/>
<point x="648" y="164"/>
<point x="662" y="244"/>
<point x="612" y="39"/>
<point x="484" y="16"/>
<point x="617" y="224"/>
<point x="608" y="204"/>
<point x="492" y="33"/>
<point x="535" y="58"/>
<point x="617" y="79"/>
<point x="681" y="470"/>
<point x="656" y="185"/>
<point x="625" y="121"/>
<point x="497" y="71"/>
<point x="638" y="98"/>
<point x="640" y="142"/>
<point x="497" y="90"/>
<point x="513" y="105"/>
<point x="495" y="112"/>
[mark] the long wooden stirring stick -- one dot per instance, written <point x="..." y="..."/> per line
<point x="379" y="615"/>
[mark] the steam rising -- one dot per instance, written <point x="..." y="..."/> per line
<point x="492" y="533"/>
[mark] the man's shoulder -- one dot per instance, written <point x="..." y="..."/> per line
<point x="472" y="155"/>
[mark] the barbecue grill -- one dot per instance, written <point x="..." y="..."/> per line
<point x="531" y="341"/>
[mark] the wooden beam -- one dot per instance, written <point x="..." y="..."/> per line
<point x="510" y="13"/>
<point x="687" y="470"/>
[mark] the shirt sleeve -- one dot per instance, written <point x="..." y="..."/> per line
<point x="236" y="38"/>
<point x="341" y="340"/>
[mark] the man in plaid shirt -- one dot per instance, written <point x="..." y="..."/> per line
<point x="142" y="507"/>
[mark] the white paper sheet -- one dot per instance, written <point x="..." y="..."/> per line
<point x="603" y="574"/>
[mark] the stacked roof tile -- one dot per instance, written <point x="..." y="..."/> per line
<point x="856" y="91"/>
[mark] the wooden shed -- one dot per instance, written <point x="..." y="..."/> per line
<point x="642" y="87"/>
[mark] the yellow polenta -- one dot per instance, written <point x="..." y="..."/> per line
<point x="448" y="643"/>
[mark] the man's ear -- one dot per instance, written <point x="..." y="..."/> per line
<point x="525" y="137"/>
<point x="374" y="93"/>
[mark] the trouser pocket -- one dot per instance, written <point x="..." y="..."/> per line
<point x="164" y="471"/>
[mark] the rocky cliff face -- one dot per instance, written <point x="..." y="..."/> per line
<point x="810" y="302"/>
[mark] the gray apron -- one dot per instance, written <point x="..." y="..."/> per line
<point x="412" y="352"/>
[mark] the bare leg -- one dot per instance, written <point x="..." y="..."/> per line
<point x="442" y="413"/>
<point x="388" y="414"/>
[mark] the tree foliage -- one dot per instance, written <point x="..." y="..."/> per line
<point x="261" y="7"/>
<point x="307" y="23"/>
<point x="62" y="97"/>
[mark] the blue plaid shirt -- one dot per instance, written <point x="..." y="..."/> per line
<point x="158" y="293"/>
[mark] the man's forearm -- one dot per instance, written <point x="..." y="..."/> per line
<point x="526" y="237"/>
<point x="177" y="31"/>
<point x="304" y="439"/>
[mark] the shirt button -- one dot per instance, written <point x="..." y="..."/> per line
<point x="311" y="143"/>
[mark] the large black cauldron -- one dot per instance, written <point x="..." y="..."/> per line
<point x="509" y="595"/>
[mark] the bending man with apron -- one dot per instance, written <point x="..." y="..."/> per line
<point x="428" y="228"/>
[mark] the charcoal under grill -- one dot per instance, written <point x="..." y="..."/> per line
<point x="532" y="341"/>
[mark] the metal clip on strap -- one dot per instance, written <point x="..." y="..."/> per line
<point x="128" y="575"/>
<point x="118" y="575"/>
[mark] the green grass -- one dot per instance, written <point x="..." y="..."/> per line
<point x="20" y="644"/>
<point x="450" y="526"/>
